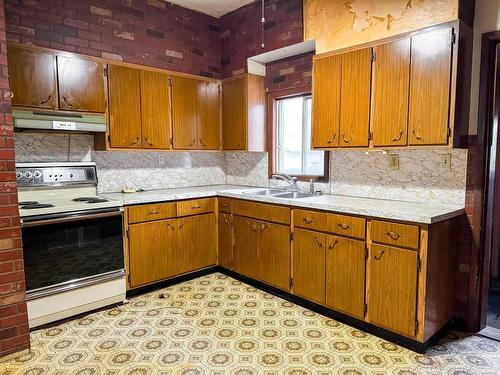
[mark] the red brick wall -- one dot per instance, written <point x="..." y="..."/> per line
<point x="14" y="332"/>
<point x="241" y="32"/>
<point x="152" y="32"/>
<point x="289" y="73"/>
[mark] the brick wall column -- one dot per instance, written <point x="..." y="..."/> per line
<point x="14" y="331"/>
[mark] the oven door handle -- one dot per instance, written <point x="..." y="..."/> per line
<point x="72" y="217"/>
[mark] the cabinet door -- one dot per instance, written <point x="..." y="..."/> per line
<point x="245" y="249"/>
<point x="392" y="288"/>
<point x="209" y="111"/>
<point x="391" y="74"/>
<point x="355" y="98"/>
<point x="197" y="242"/>
<point x="234" y="114"/>
<point x="430" y="88"/>
<point x="155" y="110"/>
<point x="345" y="275"/>
<point x="124" y="107"/>
<point x="184" y="113"/>
<point x="309" y="265"/>
<point x="326" y="102"/>
<point x="153" y="252"/>
<point x="32" y="77"/>
<point x="274" y="255"/>
<point x="225" y="240"/>
<point x="81" y="85"/>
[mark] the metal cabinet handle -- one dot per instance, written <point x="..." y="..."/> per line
<point x="332" y="139"/>
<point x="346" y="139"/>
<point x="395" y="236"/>
<point x="308" y="220"/>
<point x="263" y="227"/>
<point x="254" y="227"/>
<point x="223" y="205"/>
<point x="195" y="207"/>
<point x="153" y="212"/>
<point x="379" y="255"/>
<point x="66" y="101"/>
<point x="202" y="144"/>
<point x="192" y="143"/>
<point x="148" y="141"/>
<point x="135" y="141"/>
<point x="332" y="245"/>
<point x="180" y="226"/>
<point x="344" y="226"/>
<point x="46" y="100"/>
<point x="416" y="136"/>
<point x="399" y="137"/>
<point x="318" y="242"/>
<point x="226" y="221"/>
<point x="170" y="226"/>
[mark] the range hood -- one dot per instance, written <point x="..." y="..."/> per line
<point x="40" y="120"/>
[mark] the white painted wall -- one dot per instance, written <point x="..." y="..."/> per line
<point x="487" y="18"/>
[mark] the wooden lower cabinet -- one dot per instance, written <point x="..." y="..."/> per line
<point x="225" y="227"/>
<point x="345" y="275"/>
<point x="274" y="255"/>
<point x="153" y="252"/>
<point x="196" y="242"/>
<point x="392" y="288"/>
<point x="246" y="243"/>
<point x="309" y="265"/>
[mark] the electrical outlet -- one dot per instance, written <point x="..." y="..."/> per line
<point x="394" y="161"/>
<point x="446" y="161"/>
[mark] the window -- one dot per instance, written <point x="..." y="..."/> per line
<point x="293" y="154"/>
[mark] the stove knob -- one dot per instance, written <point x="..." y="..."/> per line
<point x="28" y="174"/>
<point x="19" y="174"/>
<point x="37" y="174"/>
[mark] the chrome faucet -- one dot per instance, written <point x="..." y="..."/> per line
<point x="292" y="181"/>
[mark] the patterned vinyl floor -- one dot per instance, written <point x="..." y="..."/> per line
<point x="217" y="325"/>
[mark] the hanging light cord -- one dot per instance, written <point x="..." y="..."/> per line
<point x="262" y="22"/>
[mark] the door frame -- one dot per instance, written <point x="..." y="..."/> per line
<point x="484" y="198"/>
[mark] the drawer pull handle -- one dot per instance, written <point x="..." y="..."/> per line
<point x="196" y="206"/>
<point x="170" y="226"/>
<point x="263" y="227"/>
<point x="153" y="212"/>
<point x="398" y="138"/>
<point x="308" y="220"/>
<point x="148" y="141"/>
<point x="344" y="226"/>
<point x="379" y="255"/>
<point x="332" y="245"/>
<point x="318" y="242"/>
<point x="332" y="139"/>
<point x="346" y="139"/>
<point x="192" y="143"/>
<point x="416" y="136"/>
<point x="134" y="142"/>
<point x="66" y="101"/>
<point x="394" y="236"/>
<point x="46" y="100"/>
<point x="202" y="144"/>
<point x="223" y="205"/>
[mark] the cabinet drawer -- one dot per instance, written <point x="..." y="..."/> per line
<point x="311" y="220"/>
<point x="195" y="206"/>
<point x="150" y="212"/>
<point x="261" y="211"/>
<point x="351" y="226"/>
<point x="404" y="235"/>
<point x="225" y="205"/>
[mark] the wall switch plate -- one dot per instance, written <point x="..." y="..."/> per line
<point x="394" y="161"/>
<point x="446" y="161"/>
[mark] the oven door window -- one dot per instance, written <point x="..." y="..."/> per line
<point x="63" y="252"/>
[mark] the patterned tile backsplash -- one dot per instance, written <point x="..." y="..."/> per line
<point x="420" y="177"/>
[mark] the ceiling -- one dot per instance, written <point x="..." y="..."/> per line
<point x="215" y="8"/>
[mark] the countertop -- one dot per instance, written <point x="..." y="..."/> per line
<point x="417" y="212"/>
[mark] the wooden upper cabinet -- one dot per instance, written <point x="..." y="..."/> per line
<point x="184" y="112"/>
<point x="124" y="107"/>
<point x="243" y="113"/>
<point x="391" y="74"/>
<point x="81" y="85"/>
<point x="430" y="77"/>
<point x="326" y="101"/>
<point x="392" y="288"/>
<point x="32" y="78"/>
<point x="355" y="98"/>
<point x="209" y="115"/>
<point x="155" y="110"/>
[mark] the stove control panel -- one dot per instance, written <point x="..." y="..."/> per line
<point x="32" y="175"/>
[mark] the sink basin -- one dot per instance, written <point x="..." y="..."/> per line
<point x="266" y="192"/>
<point x="293" y="195"/>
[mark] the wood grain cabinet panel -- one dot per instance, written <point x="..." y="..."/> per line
<point x="81" y="85"/>
<point x="430" y="79"/>
<point x="209" y="115"/>
<point x="345" y="275"/>
<point x="155" y="110"/>
<point x="326" y="101"/>
<point x="225" y="226"/>
<point x="184" y="112"/>
<point x="314" y="220"/>
<point x="153" y="252"/>
<point x="124" y="107"/>
<point x="262" y="211"/>
<point x="392" y="288"/>
<point x="32" y="76"/>
<point x="197" y="242"/>
<point x="347" y="225"/>
<point x="225" y="205"/>
<point x="309" y="265"/>
<point x="245" y="248"/>
<point x="391" y="74"/>
<point x="234" y="114"/>
<point x="274" y="255"/>
<point x="195" y="206"/>
<point x="355" y="98"/>
<point x="151" y="212"/>
<point x="398" y="234"/>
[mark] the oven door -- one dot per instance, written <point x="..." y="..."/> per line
<point x="72" y="250"/>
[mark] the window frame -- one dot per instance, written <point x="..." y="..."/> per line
<point x="272" y="132"/>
